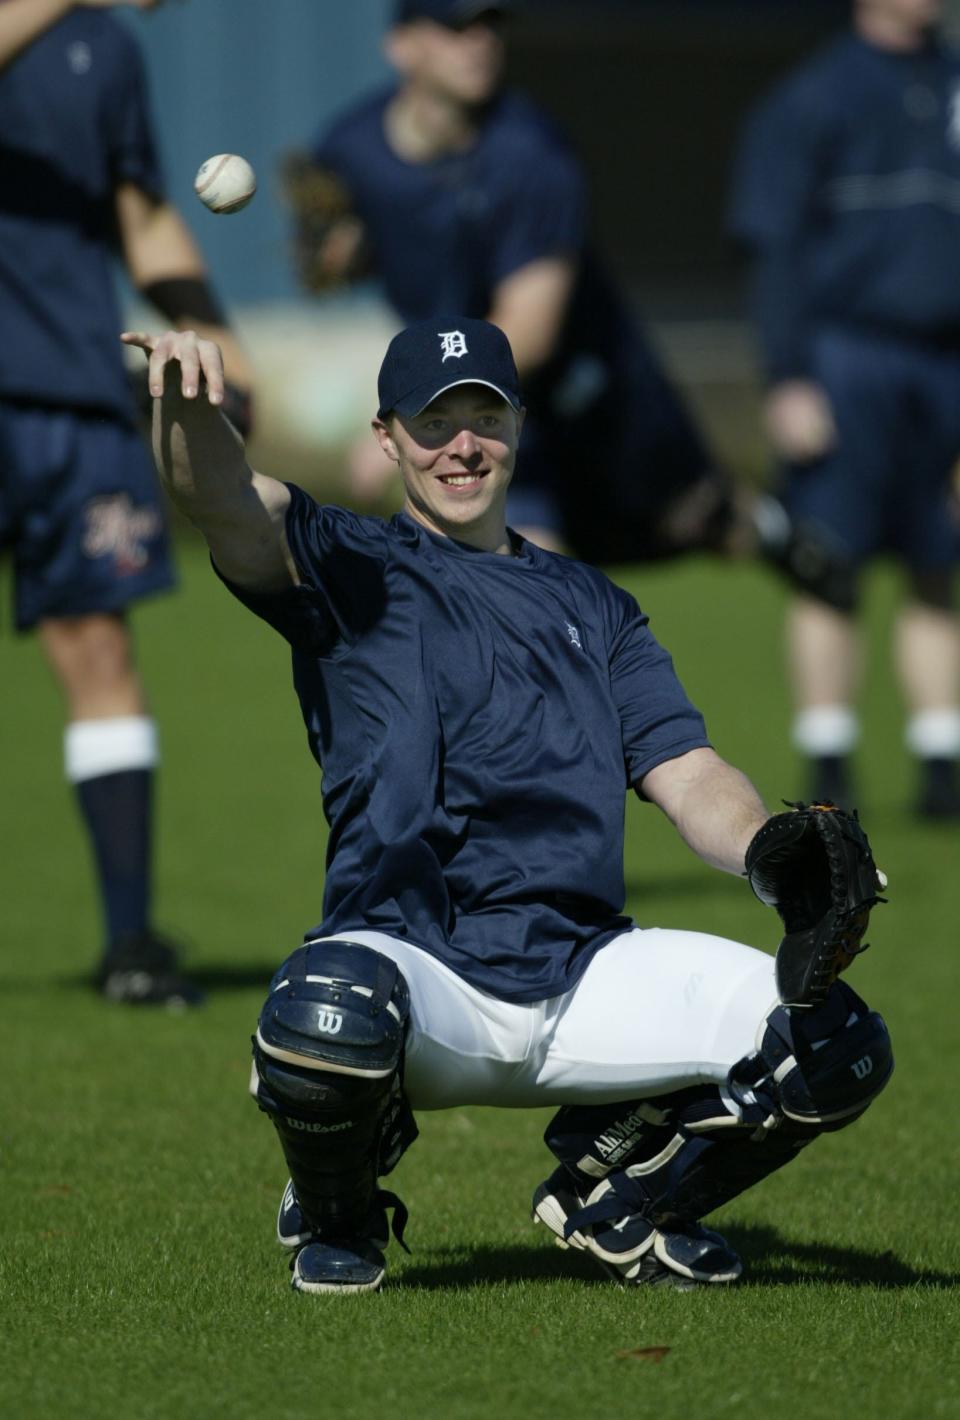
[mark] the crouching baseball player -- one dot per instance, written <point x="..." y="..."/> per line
<point x="480" y="707"/>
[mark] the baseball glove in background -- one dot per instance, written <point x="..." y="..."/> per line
<point x="815" y="866"/>
<point x="330" y="240"/>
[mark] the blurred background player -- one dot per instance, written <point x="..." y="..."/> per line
<point x="848" y="194"/>
<point x="464" y="198"/>
<point x="80" y="509"/>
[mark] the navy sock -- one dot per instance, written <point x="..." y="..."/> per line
<point x="117" y="810"/>
<point x="830" y="779"/>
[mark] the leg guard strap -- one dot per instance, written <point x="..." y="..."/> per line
<point x="689" y="1180"/>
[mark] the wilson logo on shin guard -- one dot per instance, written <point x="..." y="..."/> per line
<point x="862" y="1067"/>
<point x="307" y="1128"/>
<point x="329" y="1022"/>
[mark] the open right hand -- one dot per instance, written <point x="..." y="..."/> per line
<point x="199" y="360"/>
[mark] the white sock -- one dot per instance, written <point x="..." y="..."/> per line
<point x="95" y="747"/>
<point x="826" y="730"/>
<point x="934" y="734"/>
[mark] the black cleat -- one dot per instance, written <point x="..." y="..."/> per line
<point x="141" y="970"/>
<point x="348" y="1265"/>
<point x="631" y="1250"/>
<point x="339" y="1264"/>
<point x="939" y="796"/>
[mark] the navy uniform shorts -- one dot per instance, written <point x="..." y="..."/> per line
<point x="80" y="512"/>
<point x="887" y="485"/>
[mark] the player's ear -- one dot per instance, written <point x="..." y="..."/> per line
<point x="385" y="439"/>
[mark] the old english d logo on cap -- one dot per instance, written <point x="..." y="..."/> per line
<point x="453" y="344"/>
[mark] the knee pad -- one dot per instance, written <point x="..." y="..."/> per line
<point x="818" y="1068"/>
<point x="336" y="1006"/>
<point x="327" y="1068"/>
<point x="816" y="564"/>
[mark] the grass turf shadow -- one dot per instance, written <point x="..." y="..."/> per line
<point x="211" y="979"/>
<point x="770" y="1259"/>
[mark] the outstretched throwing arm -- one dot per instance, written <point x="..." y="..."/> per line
<point x="202" y="464"/>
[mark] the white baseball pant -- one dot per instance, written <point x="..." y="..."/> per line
<point x="656" y="1010"/>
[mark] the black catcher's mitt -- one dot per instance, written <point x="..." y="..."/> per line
<point x="814" y="865"/>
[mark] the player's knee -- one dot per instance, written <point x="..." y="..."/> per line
<point x="821" y="1068"/>
<point x="92" y="657"/>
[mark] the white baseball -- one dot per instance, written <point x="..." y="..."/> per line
<point x="225" y="183"/>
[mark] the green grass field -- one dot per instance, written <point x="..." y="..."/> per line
<point x="138" y="1272"/>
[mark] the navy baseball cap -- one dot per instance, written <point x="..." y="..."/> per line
<point x="445" y="12"/>
<point x="433" y="356"/>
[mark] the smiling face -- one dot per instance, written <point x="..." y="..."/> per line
<point x="456" y="458"/>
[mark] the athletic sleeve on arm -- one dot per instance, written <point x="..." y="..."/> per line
<point x="130" y="140"/>
<point x="657" y="720"/>
<point x="339" y="558"/>
<point x="542" y="215"/>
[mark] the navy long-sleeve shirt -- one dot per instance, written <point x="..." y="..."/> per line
<point x="847" y="191"/>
